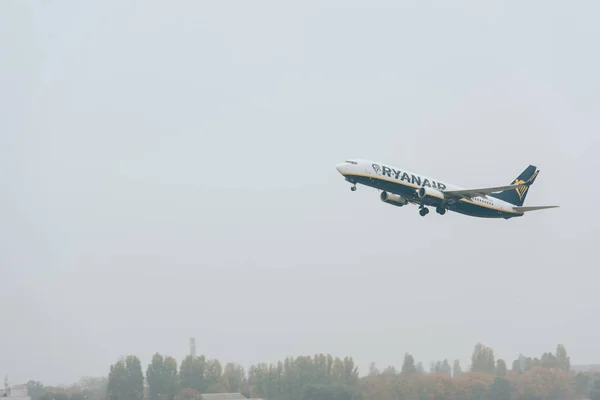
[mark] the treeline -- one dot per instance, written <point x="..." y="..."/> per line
<point x="85" y="389"/>
<point x="293" y="378"/>
<point x="323" y="377"/>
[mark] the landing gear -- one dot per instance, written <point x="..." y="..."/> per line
<point x="423" y="211"/>
<point x="353" y="188"/>
<point x="441" y="210"/>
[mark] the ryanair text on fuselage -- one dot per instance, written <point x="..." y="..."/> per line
<point x="404" y="176"/>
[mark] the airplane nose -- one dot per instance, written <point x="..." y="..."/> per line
<point x="340" y="167"/>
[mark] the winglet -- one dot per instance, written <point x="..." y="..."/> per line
<point x="532" y="179"/>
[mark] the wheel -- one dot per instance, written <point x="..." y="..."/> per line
<point x="423" y="212"/>
<point x="353" y="188"/>
<point x="441" y="210"/>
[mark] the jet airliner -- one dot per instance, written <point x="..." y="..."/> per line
<point x="400" y="187"/>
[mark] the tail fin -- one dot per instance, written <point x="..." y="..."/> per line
<point x="517" y="196"/>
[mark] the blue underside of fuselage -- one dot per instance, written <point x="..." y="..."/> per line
<point x="410" y="193"/>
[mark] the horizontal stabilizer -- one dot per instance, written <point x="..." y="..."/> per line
<point x="532" y="208"/>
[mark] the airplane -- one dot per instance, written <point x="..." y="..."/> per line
<point x="401" y="187"/>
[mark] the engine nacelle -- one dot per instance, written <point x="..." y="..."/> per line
<point x="426" y="191"/>
<point x="393" y="199"/>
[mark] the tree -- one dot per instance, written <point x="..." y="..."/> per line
<point x="191" y="373"/>
<point x="171" y="376"/>
<point x="155" y="377"/>
<point x="93" y="388"/>
<point x="408" y="367"/>
<point x="126" y="380"/>
<point x="516" y="366"/>
<point x="329" y="392"/>
<point x="595" y="391"/>
<point x="531" y="363"/>
<point x="563" y="361"/>
<point x="445" y="368"/>
<point x="582" y="384"/>
<point x="472" y="385"/>
<point x="135" y="378"/>
<point x="162" y="378"/>
<point x="35" y="389"/>
<point x="456" y="369"/>
<point x="500" y="389"/>
<point x="117" y="381"/>
<point x="434" y="367"/>
<point x="373" y="371"/>
<point x="213" y="375"/>
<point x="501" y="368"/>
<point x="549" y="360"/>
<point x="440" y="367"/>
<point x="234" y="375"/>
<point x="483" y="359"/>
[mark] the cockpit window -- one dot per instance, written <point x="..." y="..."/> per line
<point x="351" y="162"/>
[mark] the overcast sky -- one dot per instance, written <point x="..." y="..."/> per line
<point x="168" y="171"/>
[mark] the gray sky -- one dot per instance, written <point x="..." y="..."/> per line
<point x="168" y="171"/>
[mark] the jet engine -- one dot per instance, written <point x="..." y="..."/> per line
<point x="393" y="199"/>
<point x="426" y="191"/>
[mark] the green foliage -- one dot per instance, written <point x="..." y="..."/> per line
<point x="549" y="360"/>
<point x="323" y="377"/>
<point x="456" y="369"/>
<point x="35" y="390"/>
<point x="334" y="391"/>
<point x="516" y="366"/>
<point x="582" y="384"/>
<point x="445" y="368"/>
<point x="562" y="360"/>
<point x="191" y="373"/>
<point x="213" y="381"/>
<point x="162" y="378"/>
<point x="408" y="367"/>
<point x="373" y="371"/>
<point x="501" y="389"/>
<point x="234" y="376"/>
<point x="501" y="369"/>
<point x="117" y="381"/>
<point x="483" y="359"/>
<point x="135" y="378"/>
<point x="595" y="391"/>
<point x="441" y="367"/>
<point x="87" y="388"/>
<point x="126" y="380"/>
<point x="288" y="380"/>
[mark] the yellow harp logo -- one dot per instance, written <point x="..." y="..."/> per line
<point x="521" y="190"/>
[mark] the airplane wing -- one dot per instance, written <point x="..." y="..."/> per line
<point x="532" y="208"/>
<point x="468" y="193"/>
